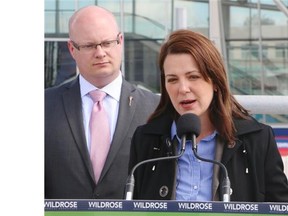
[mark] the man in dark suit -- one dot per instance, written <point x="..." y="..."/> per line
<point x="96" y="45"/>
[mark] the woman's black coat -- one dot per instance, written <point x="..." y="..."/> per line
<point x="254" y="165"/>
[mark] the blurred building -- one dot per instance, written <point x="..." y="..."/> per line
<point x="252" y="36"/>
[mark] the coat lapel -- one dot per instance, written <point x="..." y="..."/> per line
<point x="125" y="117"/>
<point x="243" y="127"/>
<point x="73" y="108"/>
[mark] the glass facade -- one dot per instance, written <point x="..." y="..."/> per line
<point x="255" y="45"/>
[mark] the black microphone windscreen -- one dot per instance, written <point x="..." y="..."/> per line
<point x="188" y="124"/>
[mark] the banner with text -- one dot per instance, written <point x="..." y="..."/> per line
<point x="114" y="207"/>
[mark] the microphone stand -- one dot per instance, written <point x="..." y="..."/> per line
<point x="131" y="180"/>
<point x="226" y="180"/>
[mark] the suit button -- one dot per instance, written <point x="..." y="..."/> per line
<point x="163" y="191"/>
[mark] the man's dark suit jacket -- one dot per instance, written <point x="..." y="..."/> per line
<point x="68" y="170"/>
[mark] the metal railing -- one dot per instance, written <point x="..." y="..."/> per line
<point x="264" y="104"/>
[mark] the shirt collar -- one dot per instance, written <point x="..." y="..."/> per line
<point x="113" y="89"/>
<point x="174" y="129"/>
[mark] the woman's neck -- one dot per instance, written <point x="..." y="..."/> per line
<point x="207" y="128"/>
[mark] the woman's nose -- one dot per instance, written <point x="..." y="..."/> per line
<point x="184" y="87"/>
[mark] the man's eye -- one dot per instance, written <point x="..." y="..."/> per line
<point x="106" y="43"/>
<point x="88" y="47"/>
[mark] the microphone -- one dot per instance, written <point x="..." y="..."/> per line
<point x="187" y="126"/>
<point x="130" y="183"/>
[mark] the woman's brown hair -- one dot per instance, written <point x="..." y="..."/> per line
<point x="224" y="106"/>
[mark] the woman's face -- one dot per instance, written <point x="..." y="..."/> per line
<point x="186" y="87"/>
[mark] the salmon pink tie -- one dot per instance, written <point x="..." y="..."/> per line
<point x="99" y="133"/>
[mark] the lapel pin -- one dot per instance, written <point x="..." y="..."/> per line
<point x="130" y="100"/>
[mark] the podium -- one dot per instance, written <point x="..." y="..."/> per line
<point x="160" y="208"/>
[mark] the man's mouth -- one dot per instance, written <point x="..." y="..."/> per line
<point x="100" y="63"/>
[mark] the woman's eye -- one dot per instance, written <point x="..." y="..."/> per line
<point x="170" y="80"/>
<point x="194" y="77"/>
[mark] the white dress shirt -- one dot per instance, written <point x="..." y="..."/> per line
<point x="110" y="103"/>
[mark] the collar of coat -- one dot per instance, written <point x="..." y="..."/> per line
<point x="162" y="125"/>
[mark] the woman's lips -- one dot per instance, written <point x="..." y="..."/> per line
<point x="187" y="103"/>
